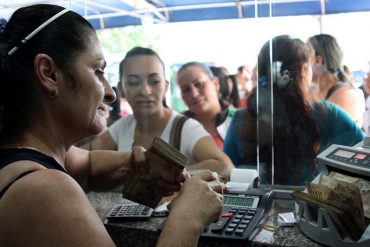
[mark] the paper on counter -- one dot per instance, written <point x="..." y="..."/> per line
<point x="286" y="219"/>
<point x="162" y="208"/>
<point x="241" y="180"/>
<point x="243" y="175"/>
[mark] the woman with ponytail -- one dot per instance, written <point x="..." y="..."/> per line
<point x="284" y="126"/>
<point x="330" y="79"/>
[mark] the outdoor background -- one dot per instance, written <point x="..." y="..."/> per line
<point x="232" y="43"/>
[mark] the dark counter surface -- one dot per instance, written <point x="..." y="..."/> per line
<point x="145" y="233"/>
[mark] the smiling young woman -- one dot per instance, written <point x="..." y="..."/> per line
<point x="145" y="86"/>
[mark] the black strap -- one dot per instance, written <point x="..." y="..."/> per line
<point x="2" y="192"/>
<point x="337" y="86"/>
<point x="175" y="134"/>
<point x="11" y="155"/>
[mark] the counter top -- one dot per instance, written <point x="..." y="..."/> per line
<point x="145" y="233"/>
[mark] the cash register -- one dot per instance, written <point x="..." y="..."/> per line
<point x="353" y="161"/>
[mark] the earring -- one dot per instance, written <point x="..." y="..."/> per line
<point x="53" y="94"/>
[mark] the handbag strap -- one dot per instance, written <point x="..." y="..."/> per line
<point x="175" y="134"/>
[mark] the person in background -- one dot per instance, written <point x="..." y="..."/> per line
<point x="348" y="74"/>
<point x="143" y="81"/>
<point x="199" y="90"/>
<point x="61" y="90"/>
<point x="366" y="87"/>
<point x="242" y="77"/>
<point x="244" y="101"/>
<point x="290" y="134"/>
<point x="125" y="107"/>
<point x="330" y="79"/>
<point x="114" y="108"/>
<point x="228" y="89"/>
<point x="234" y="94"/>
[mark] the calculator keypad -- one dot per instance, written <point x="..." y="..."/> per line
<point x="129" y="211"/>
<point x="240" y="221"/>
<point x="235" y="222"/>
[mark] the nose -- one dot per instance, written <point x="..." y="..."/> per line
<point x="109" y="94"/>
<point x="194" y="92"/>
<point x="145" y="89"/>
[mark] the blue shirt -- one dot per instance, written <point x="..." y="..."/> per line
<point x="334" y="124"/>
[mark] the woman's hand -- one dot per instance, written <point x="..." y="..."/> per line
<point x="137" y="160"/>
<point x="195" y="206"/>
<point x="169" y="188"/>
<point x="138" y="165"/>
<point x="197" y="203"/>
<point x="216" y="182"/>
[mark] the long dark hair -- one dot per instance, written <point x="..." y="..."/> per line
<point x="226" y="96"/>
<point x="63" y="40"/>
<point x="288" y="124"/>
<point x="234" y="94"/>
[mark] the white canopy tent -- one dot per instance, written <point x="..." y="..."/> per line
<point x="118" y="13"/>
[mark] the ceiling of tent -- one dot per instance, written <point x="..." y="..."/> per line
<point x="117" y="13"/>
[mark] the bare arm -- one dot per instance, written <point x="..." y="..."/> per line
<point x="102" y="169"/>
<point x="196" y="206"/>
<point x="351" y="101"/>
<point x="208" y="156"/>
<point x="103" y="141"/>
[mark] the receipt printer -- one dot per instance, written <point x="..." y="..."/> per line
<point x="242" y="180"/>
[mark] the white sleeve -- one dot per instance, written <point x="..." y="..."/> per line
<point x="114" y="130"/>
<point x="192" y="131"/>
<point x="122" y="132"/>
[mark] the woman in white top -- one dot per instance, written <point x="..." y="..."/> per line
<point x="143" y="80"/>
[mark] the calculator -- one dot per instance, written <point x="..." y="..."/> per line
<point x="130" y="211"/>
<point x="240" y="216"/>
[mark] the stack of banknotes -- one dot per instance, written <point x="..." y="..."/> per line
<point x="345" y="198"/>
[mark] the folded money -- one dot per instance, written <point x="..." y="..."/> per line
<point x="166" y="163"/>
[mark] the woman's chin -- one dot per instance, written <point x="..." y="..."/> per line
<point x="98" y="126"/>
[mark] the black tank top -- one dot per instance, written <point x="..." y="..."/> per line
<point x="8" y="156"/>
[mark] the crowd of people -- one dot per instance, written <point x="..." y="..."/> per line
<point x="59" y="141"/>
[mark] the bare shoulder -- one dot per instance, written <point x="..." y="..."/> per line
<point x="345" y="94"/>
<point x="49" y="208"/>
